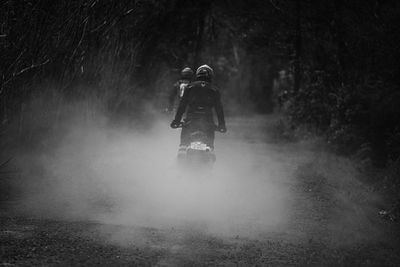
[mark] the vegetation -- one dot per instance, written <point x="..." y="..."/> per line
<point x="340" y="61"/>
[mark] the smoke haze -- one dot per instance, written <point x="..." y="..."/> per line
<point x="124" y="177"/>
<point x="128" y="175"/>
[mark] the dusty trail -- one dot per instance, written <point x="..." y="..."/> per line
<point x="268" y="203"/>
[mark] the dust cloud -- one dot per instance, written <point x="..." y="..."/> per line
<point x="128" y="176"/>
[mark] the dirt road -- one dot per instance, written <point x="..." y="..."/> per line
<point x="267" y="203"/>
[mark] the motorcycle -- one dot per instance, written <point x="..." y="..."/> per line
<point x="198" y="152"/>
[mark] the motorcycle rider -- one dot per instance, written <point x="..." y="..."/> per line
<point x="199" y="98"/>
<point x="179" y="87"/>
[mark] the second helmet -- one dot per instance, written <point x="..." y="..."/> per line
<point x="187" y="73"/>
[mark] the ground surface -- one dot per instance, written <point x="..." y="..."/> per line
<point x="326" y="218"/>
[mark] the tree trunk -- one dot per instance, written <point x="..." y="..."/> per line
<point x="203" y="10"/>
<point x="298" y="47"/>
<point x="339" y="38"/>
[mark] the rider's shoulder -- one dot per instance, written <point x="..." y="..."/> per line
<point x="191" y="85"/>
<point x="196" y="83"/>
<point x="202" y="84"/>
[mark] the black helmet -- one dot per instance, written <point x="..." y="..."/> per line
<point x="187" y="73"/>
<point x="205" y="71"/>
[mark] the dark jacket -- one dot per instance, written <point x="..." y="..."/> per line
<point x="199" y="99"/>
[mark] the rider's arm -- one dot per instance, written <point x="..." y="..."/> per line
<point x="218" y="109"/>
<point x="182" y="105"/>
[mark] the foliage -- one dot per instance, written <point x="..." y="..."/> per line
<point x="349" y="89"/>
<point x="342" y="56"/>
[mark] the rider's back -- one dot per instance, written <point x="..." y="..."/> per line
<point x="201" y="97"/>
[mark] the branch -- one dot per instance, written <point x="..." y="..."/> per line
<point x="117" y="19"/>
<point x="80" y="41"/>
<point x="31" y="67"/>
<point x="127" y="12"/>
<point x="16" y="60"/>
<point x="16" y="74"/>
<point x="274" y="5"/>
